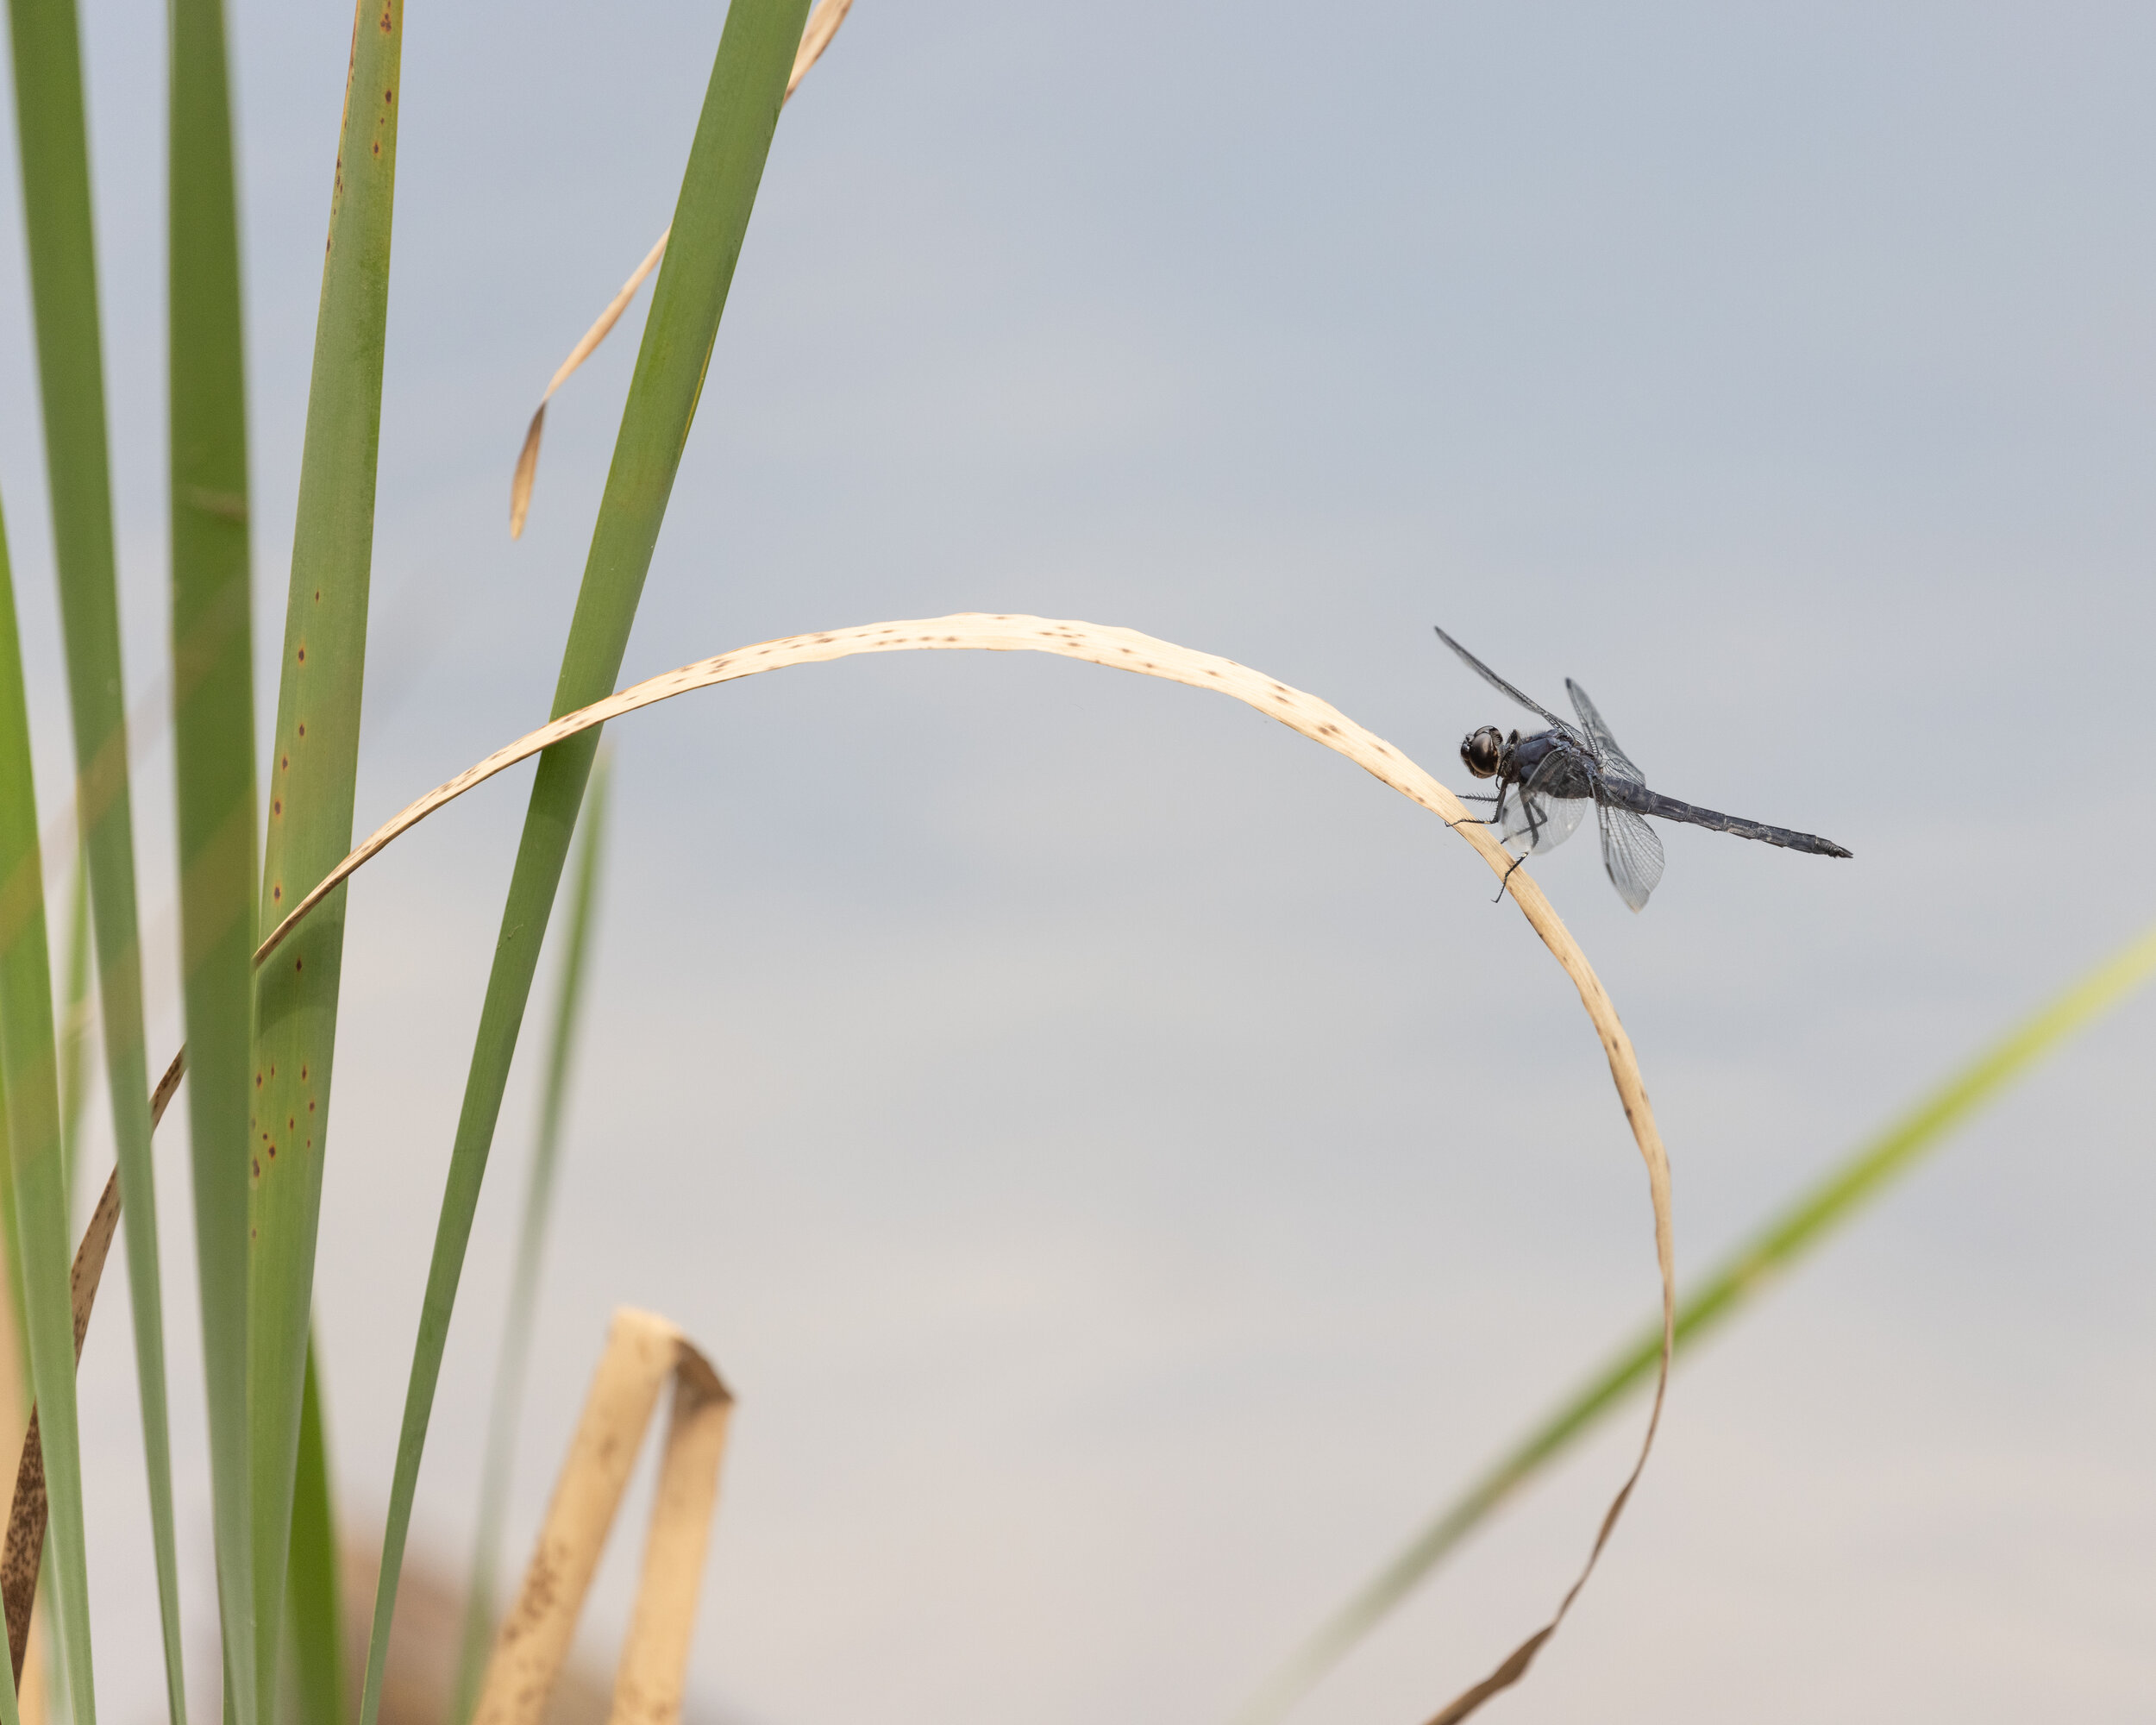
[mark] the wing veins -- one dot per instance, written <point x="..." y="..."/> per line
<point x="1599" y="734"/>
<point x="1503" y="687"/>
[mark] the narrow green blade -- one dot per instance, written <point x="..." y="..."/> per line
<point x="718" y="192"/>
<point x="29" y="1063"/>
<point x="1727" y="1289"/>
<point x="56" y="207"/>
<point x="74" y="1026"/>
<point x="313" y="771"/>
<point x="314" y="1613"/>
<point x="8" y="1712"/>
<point x="214" y="765"/>
<point x="523" y="1284"/>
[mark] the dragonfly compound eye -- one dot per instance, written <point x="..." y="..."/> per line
<point x="1482" y="751"/>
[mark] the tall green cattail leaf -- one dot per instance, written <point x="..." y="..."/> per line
<point x="314" y="1614"/>
<point x="1727" y="1289"/>
<point x="756" y="52"/>
<point x="74" y="1026"/>
<point x="56" y="208"/>
<point x="313" y="768"/>
<point x="30" y="1069"/>
<point x="480" y="1595"/>
<point x="214" y="767"/>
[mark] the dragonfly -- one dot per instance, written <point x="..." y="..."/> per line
<point x="1546" y="781"/>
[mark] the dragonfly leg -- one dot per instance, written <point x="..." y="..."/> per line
<point x="1477" y="797"/>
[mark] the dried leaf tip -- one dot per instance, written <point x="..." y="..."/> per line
<point x="823" y="25"/>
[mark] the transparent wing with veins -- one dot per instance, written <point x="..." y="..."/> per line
<point x="1605" y="745"/>
<point x="1631" y="852"/>
<point x="1503" y="687"/>
<point x="1534" y="818"/>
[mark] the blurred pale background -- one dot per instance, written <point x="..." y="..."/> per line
<point x="1127" y="1169"/>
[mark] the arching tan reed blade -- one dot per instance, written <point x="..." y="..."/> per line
<point x="643" y="1353"/>
<point x="823" y="25"/>
<point x="1126" y="650"/>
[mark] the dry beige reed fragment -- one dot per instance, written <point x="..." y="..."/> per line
<point x="823" y="25"/>
<point x="1126" y="650"/>
<point x="643" y="1353"/>
<point x="24" y="1549"/>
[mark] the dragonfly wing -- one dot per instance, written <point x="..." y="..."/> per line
<point x="1631" y="852"/>
<point x="1536" y="819"/>
<point x="1598" y="733"/>
<point x="1498" y="683"/>
<point x="1538" y="822"/>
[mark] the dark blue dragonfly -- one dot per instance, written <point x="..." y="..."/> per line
<point x="1546" y="781"/>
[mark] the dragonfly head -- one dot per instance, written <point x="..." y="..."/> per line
<point x="1482" y="750"/>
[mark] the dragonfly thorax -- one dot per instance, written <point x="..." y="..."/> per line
<point x="1484" y="751"/>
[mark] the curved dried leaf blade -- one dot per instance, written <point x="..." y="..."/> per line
<point x="1128" y="650"/>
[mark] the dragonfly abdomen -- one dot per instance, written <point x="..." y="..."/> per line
<point x="1644" y="801"/>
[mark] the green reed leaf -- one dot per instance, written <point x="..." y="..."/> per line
<point x="74" y="1025"/>
<point x="30" y="1069"/>
<point x="313" y="776"/>
<point x="214" y="766"/>
<point x="756" y="52"/>
<point x="56" y="206"/>
<point x="314" y="1612"/>
<point x="480" y="1596"/>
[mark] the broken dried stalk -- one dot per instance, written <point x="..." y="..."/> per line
<point x="643" y="1353"/>
<point x="1127" y="650"/>
<point x="823" y="25"/>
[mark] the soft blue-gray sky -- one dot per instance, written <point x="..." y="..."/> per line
<point x="1126" y="1167"/>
